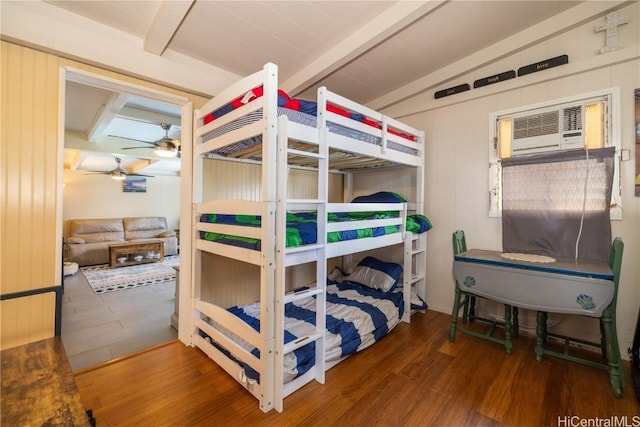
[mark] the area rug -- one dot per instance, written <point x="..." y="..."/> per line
<point x="103" y="278"/>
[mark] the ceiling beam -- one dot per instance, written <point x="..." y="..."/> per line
<point x="139" y="165"/>
<point x="165" y="24"/>
<point x="72" y="36"/>
<point x="74" y="158"/>
<point x="85" y="156"/>
<point x="389" y="22"/>
<point x="105" y="115"/>
<point x="149" y="116"/>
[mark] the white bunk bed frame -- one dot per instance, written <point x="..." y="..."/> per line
<point x="284" y="143"/>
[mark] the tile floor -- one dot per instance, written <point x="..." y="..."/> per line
<point x="99" y="328"/>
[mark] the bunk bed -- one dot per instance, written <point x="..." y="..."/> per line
<point x="295" y="331"/>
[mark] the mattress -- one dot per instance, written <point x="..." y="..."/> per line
<point x="302" y="227"/>
<point x="357" y="316"/>
<point x="296" y="117"/>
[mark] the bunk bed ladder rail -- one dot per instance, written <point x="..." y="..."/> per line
<point x="414" y="271"/>
<point x="317" y="253"/>
<point x="264" y="339"/>
<point x="415" y="245"/>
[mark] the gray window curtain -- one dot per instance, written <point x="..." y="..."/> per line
<point x="557" y="204"/>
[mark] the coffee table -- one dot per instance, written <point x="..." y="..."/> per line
<point x="134" y="253"/>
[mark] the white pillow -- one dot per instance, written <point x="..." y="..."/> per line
<point x="376" y="274"/>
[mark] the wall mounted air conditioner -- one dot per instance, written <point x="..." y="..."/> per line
<point x="548" y="129"/>
<point x="589" y="120"/>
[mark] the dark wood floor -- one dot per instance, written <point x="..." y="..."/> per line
<point x="413" y="377"/>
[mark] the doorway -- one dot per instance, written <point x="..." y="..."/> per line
<point x="116" y="324"/>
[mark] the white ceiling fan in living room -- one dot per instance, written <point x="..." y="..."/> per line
<point x="164" y="147"/>
<point x="118" y="173"/>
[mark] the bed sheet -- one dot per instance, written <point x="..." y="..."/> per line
<point x="357" y="317"/>
<point x="302" y="227"/>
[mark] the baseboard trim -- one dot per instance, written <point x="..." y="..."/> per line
<point x="128" y="356"/>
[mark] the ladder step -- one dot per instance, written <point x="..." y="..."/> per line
<point x="305" y="153"/>
<point x="304" y="248"/>
<point x="416" y="278"/>
<point x="417" y="251"/>
<point x="302" y="341"/>
<point x="303" y="293"/>
<point x="304" y="201"/>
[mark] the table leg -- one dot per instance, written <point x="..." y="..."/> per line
<point x="507" y="328"/>
<point x="471" y="307"/>
<point x="603" y="341"/>
<point x="541" y="333"/>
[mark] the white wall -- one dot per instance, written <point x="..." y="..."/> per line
<point x="99" y="196"/>
<point x="456" y="190"/>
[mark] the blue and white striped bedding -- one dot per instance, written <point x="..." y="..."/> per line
<point x="357" y="317"/>
<point x="297" y="117"/>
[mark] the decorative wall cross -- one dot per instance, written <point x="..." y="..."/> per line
<point x="612" y="22"/>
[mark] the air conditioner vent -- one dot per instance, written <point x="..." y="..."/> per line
<point x="572" y="118"/>
<point x="536" y="125"/>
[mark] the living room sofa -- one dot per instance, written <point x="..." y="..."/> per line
<point x="88" y="239"/>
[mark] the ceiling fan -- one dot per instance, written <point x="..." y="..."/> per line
<point x="165" y="146"/>
<point x="118" y="173"/>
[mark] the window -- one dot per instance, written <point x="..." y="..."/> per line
<point x="586" y="122"/>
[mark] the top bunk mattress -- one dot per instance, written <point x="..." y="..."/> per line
<point x="351" y="122"/>
<point x="299" y="117"/>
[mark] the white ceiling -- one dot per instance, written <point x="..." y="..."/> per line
<point x="374" y="52"/>
<point x="101" y="125"/>
<point x="360" y="49"/>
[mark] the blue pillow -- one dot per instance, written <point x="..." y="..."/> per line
<point x="380" y="197"/>
<point x="376" y="274"/>
<point x="309" y="107"/>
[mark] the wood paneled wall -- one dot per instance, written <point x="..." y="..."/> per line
<point x="230" y="180"/>
<point x="29" y="247"/>
<point x="29" y="161"/>
<point x="30" y="166"/>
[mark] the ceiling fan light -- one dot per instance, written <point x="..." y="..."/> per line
<point x="165" y="150"/>
<point x="118" y="174"/>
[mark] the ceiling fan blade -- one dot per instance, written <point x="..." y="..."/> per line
<point x="135" y="148"/>
<point x="132" y="139"/>
<point x="139" y="174"/>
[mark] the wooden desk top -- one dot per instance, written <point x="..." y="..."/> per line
<point x="38" y="387"/>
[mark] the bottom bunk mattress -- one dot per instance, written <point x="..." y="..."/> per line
<point x="357" y="316"/>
